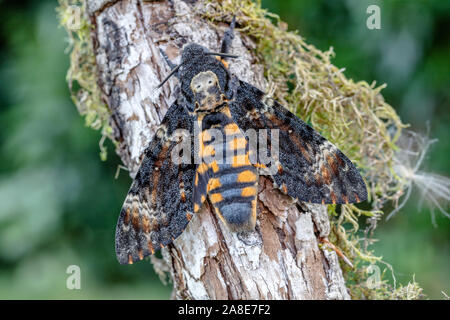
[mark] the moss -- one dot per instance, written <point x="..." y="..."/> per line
<point x="353" y="115"/>
<point x="82" y="73"/>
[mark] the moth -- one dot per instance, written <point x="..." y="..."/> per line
<point x="166" y="194"/>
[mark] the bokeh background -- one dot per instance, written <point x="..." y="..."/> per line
<point x="59" y="203"/>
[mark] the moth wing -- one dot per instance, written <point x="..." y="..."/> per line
<point x="310" y="167"/>
<point x="158" y="205"/>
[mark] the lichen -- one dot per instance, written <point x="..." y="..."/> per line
<point x="353" y="115"/>
<point x="82" y="73"/>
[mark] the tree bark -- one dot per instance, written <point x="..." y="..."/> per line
<point x="282" y="259"/>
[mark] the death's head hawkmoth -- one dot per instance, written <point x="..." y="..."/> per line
<point x="229" y="122"/>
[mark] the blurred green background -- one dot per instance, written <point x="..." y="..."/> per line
<point x="59" y="202"/>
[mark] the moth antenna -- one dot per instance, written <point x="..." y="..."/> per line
<point x="174" y="70"/>
<point x="220" y="54"/>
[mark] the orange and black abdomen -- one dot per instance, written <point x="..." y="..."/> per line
<point x="226" y="174"/>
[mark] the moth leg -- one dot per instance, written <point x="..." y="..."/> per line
<point x="166" y="58"/>
<point x="228" y="37"/>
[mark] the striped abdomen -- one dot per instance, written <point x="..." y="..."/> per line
<point x="226" y="174"/>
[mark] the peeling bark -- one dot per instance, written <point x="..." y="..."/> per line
<point x="282" y="259"/>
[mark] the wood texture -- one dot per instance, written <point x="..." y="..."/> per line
<point x="282" y="259"/>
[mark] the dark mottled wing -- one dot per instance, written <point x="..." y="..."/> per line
<point x="159" y="203"/>
<point x="310" y="168"/>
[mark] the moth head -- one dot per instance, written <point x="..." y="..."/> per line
<point x="194" y="52"/>
<point x="195" y="60"/>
